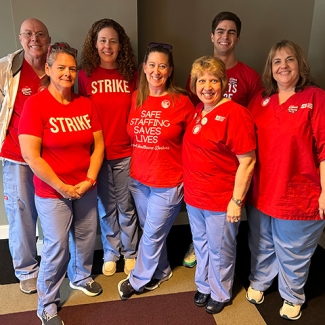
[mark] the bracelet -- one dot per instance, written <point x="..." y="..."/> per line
<point x="238" y="202"/>
<point x="91" y="181"/>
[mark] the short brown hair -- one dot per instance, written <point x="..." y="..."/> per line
<point x="226" y="15"/>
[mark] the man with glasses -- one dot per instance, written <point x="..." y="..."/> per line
<point x="243" y="81"/>
<point x="21" y="75"/>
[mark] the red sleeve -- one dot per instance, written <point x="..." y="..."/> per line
<point x="82" y="83"/>
<point x="31" y="121"/>
<point x="318" y="122"/>
<point x="95" y="123"/>
<point x="256" y="87"/>
<point x="241" y="131"/>
<point x="254" y="100"/>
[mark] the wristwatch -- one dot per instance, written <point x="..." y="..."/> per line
<point x="91" y="181"/>
<point x="238" y="202"/>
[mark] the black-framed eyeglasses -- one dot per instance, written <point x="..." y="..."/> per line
<point x="164" y="45"/>
<point x="62" y="46"/>
<point x="29" y="34"/>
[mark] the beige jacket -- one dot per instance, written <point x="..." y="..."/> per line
<point x="10" y="67"/>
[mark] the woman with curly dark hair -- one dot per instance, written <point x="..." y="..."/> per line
<point x="108" y="76"/>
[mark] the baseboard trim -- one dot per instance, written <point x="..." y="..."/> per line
<point x="4" y="232"/>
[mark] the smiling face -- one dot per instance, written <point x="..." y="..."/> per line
<point x="63" y="72"/>
<point x="108" y="46"/>
<point x="285" y="68"/>
<point x="224" y="38"/>
<point x="157" y="71"/>
<point x="34" y="46"/>
<point x="208" y="89"/>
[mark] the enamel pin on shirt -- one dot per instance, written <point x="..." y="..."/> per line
<point x="197" y="129"/>
<point x="204" y="121"/>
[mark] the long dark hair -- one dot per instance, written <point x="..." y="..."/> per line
<point x="171" y="88"/>
<point x="126" y="61"/>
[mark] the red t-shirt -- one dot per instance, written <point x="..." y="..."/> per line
<point x="111" y="94"/>
<point x="243" y="84"/>
<point x="290" y="146"/>
<point x="67" y="135"/>
<point x="156" y="130"/>
<point x="29" y="84"/>
<point x="210" y="148"/>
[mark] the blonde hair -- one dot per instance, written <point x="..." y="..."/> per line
<point x="212" y="65"/>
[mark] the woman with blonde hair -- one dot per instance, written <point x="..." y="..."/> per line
<point x="218" y="157"/>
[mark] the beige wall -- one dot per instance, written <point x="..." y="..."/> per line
<point x="186" y="24"/>
<point x="316" y="53"/>
<point x="67" y="20"/>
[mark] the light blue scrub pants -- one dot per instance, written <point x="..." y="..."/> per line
<point x="284" y="248"/>
<point x="117" y="215"/>
<point x="157" y="210"/>
<point x="62" y="219"/>
<point x="21" y="212"/>
<point x="214" y="240"/>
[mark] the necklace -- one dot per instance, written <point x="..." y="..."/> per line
<point x="203" y="118"/>
<point x="211" y="109"/>
<point x="206" y="111"/>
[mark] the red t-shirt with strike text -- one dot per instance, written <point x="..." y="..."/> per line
<point x="156" y="130"/>
<point x="210" y="148"/>
<point x="290" y="147"/>
<point x="243" y="84"/>
<point x="111" y="94"/>
<point x="29" y="84"/>
<point x="67" y="135"/>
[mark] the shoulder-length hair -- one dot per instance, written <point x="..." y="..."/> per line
<point x="171" y="88"/>
<point x="305" y="78"/>
<point x="212" y="65"/>
<point x="126" y="61"/>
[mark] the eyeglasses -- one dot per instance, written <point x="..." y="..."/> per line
<point x="164" y="45"/>
<point x="62" y="47"/>
<point x="29" y="34"/>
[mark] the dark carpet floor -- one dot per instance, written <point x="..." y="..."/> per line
<point x="147" y="311"/>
